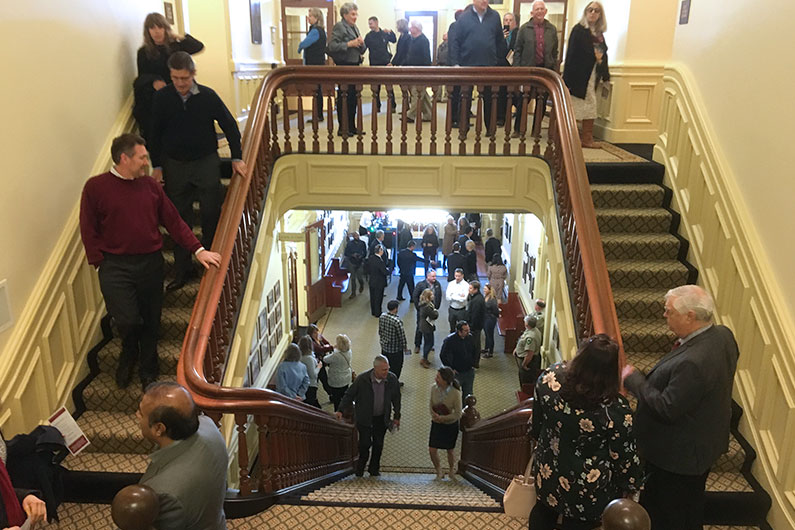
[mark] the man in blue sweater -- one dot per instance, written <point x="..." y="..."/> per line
<point x="477" y="40"/>
<point x="184" y="150"/>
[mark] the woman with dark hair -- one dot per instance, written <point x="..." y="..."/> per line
<point x="153" y="72"/>
<point x="445" y="413"/>
<point x="430" y="246"/>
<point x="402" y="47"/>
<point x="492" y="314"/>
<point x="497" y="275"/>
<point x="321" y="347"/>
<point x="585" y="453"/>
<point x="586" y="66"/>
<point x="427" y="314"/>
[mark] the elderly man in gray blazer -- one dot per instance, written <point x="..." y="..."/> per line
<point x="684" y="410"/>
<point x="346" y="47"/>
<point x="188" y="470"/>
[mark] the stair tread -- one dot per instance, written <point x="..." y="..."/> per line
<point x="103" y="393"/>
<point x="168" y="351"/>
<point x="113" y="431"/>
<point x="108" y="462"/>
<point x="653" y="265"/>
<point x="636" y="237"/>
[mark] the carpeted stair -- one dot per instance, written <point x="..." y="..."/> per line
<point x="645" y="258"/>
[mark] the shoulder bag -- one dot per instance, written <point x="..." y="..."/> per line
<point x="353" y="372"/>
<point x="520" y="497"/>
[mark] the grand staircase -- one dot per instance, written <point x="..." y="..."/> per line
<point x="645" y="258"/>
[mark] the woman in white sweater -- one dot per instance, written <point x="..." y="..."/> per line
<point x="338" y="366"/>
<point x="445" y="406"/>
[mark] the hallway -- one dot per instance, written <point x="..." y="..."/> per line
<point x="406" y="449"/>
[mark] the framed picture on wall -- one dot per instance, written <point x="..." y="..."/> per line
<point x="256" y="21"/>
<point x="264" y="351"/>
<point x="168" y="12"/>
<point x="279" y="333"/>
<point x="270" y="299"/>
<point x="278" y="313"/>
<point x="277" y="290"/>
<point x="272" y="343"/>
<point x="271" y="322"/>
<point x="262" y="323"/>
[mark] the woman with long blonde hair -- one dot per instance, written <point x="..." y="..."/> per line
<point x="586" y="66"/>
<point x="153" y="73"/>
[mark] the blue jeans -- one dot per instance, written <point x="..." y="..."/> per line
<point x="467" y="381"/>
<point x="489" y="325"/>
<point x="428" y="346"/>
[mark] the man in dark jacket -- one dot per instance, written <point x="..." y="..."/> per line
<point x="459" y="353"/>
<point x="404" y="236"/>
<point x="378" y="274"/>
<point x="428" y="283"/>
<point x="477" y="40"/>
<point x="476" y="312"/>
<point x="492" y="246"/>
<point x="377" y="42"/>
<point x="407" y="263"/>
<point x="376" y="393"/>
<point x="419" y="54"/>
<point x="355" y="253"/>
<point x="346" y="47"/>
<point x="455" y="260"/>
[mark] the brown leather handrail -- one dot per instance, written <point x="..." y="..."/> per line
<point x="220" y="288"/>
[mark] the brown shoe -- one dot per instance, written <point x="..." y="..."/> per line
<point x="424" y="363"/>
<point x="586" y="138"/>
<point x="416" y="350"/>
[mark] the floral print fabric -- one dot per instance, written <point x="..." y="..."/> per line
<point x="584" y="458"/>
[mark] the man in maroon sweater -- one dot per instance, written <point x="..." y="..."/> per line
<point x="120" y="215"/>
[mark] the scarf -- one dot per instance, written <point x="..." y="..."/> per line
<point x="14" y="511"/>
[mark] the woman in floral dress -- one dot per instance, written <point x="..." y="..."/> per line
<point x="585" y="456"/>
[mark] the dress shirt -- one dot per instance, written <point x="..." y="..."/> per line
<point x="457" y="293"/>
<point x="378" y="394"/>
<point x="539" y="28"/>
<point x="696" y="333"/>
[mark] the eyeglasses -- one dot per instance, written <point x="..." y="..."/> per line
<point x="593" y="10"/>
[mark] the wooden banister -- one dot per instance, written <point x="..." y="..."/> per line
<point x="284" y="460"/>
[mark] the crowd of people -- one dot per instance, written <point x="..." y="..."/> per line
<point x="477" y="37"/>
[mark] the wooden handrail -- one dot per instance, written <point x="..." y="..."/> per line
<point x="214" y="315"/>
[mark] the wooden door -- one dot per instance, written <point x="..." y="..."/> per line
<point x="315" y="275"/>
<point x="292" y="282"/>
<point x="295" y="25"/>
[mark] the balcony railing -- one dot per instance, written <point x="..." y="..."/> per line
<point x="278" y="125"/>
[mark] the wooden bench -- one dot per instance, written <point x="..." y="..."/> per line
<point x="511" y="321"/>
<point x="336" y="282"/>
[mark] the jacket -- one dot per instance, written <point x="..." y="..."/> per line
<point x="315" y="53"/>
<point x="476" y="43"/>
<point x="401" y="50"/>
<point x="377" y="270"/>
<point x="476" y="311"/>
<point x="458" y="353"/>
<point x="437" y="293"/>
<point x="407" y="262"/>
<point x="338" y="45"/>
<point x="580" y="60"/>
<point x="684" y="403"/>
<point x="377" y="43"/>
<point x="492" y="246"/>
<point x="428" y="314"/>
<point x="455" y="260"/>
<point x="361" y="393"/>
<point x="419" y="53"/>
<point x="524" y="52"/>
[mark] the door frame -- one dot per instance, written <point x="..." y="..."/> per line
<point x="322" y="4"/>
<point x="435" y="16"/>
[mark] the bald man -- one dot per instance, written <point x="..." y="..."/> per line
<point x="188" y="470"/>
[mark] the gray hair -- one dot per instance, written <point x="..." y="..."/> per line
<point x="292" y="353"/>
<point x="530" y="321"/>
<point x="601" y="24"/>
<point x="318" y="14"/>
<point x="342" y="342"/>
<point x="402" y="25"/>
<point x="693" y="298"/>
<point x="380" y="359"/>
<point x="470" y="244"/>
<point x="415" y="24"/>
<point x="347" y="7"/>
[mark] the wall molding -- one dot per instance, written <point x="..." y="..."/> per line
<point x="737" y="271"/>
<point x="45" y="355"/>
<point x="629" y="104"/>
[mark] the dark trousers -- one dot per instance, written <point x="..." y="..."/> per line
<point x="529" y="375"/>
<point x="322" y="376"/>
<point x="417" y="332"/>
<point x="347" y="122"/>
<point x="311" y="397"/>
<point x="371" y="436"/>
<point x="476" y="334"/>
<point x="336" y="395"/>
<point x="430" y="256"/>
<point x="542" y="517"/>
<point x="187" y="182"/>
<point x="428" y="346"/>
<point x="488" y="326"/>
<point x="319" y="103"/>
<point x="132" y="287"/>
<point x="674" y="501"/>
<point x="395" y="362"/>
<point x="376" y="300"/>
<point x="408" y="281"/>
<point x="389" y="94"/>
<point x="454" y="315"/>
<point x="465" y="96"/>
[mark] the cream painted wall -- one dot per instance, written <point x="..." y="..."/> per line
<point x="209" y="22"/>
<point x="742" y="65"/>
<point x="243" y="50"/>
<point x="63" y="90"/>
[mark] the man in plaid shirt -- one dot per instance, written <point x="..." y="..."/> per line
<point x="393" y="337"/>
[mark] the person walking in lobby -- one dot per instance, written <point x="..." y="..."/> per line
<point x="445" y="413"/>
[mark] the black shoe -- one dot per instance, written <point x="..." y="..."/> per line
<point x="147" y="380"/>
<point x="374" y="473"/>
<point x="180" y="280"/>
<point x="123" y="376"/>
<point x="400" y="299"/>
<point x="359" y="472"/>
<point x="454" y="125"/>
<point x="400" y="383"/>
<point x="409" y="120"/>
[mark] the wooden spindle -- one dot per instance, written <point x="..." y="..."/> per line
<point x="463" y="119"/>
<point x="389" y="126"/>
<point x="275" y="150"/>
<point x="288" y="148"/>
<point x="418" y="121"/>
<point x="344" y="122"/>
<point x="478" y="120"/>
<point x="359" y="121"/>
<point x="242" y="454"/>
<point x="448" y="122"/>
<point x="492" y="130"/>
<point x="523" y="122"/>
<point x="330" y="124"/>
<point x="264" y="457"/>
<point x="403" y="117"/>
<point x="434" y="118"/>
<point x="317" y="113"/>
<point x="506" y="148"/>
<point x="374" y="121"/>
<point x="301" y="142"/>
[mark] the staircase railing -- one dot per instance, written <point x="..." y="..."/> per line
<point x="276" y="126"/>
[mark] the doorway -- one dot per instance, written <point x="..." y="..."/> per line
<point x="295" y="25"/>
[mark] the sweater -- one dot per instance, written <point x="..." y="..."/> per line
<point x="338" y="365"/>
<point x="311" y="368"/>
<point x="121" y="217"/>
<point x="450" y="397"/>
<point x="419" y="53"/>
<point x="292" y="379"/>
<point x="186" y="131"/>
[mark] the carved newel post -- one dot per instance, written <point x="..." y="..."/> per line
<point x="625" y="514"/>
<point x="469" y="415"/>
<point x="135" y="507"/>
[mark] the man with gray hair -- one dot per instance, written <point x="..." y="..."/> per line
<point x="419" y="54"/>
<point x="347" y="47"/>
<point x="684" y="410"/>
<point x="377" y="394"/>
